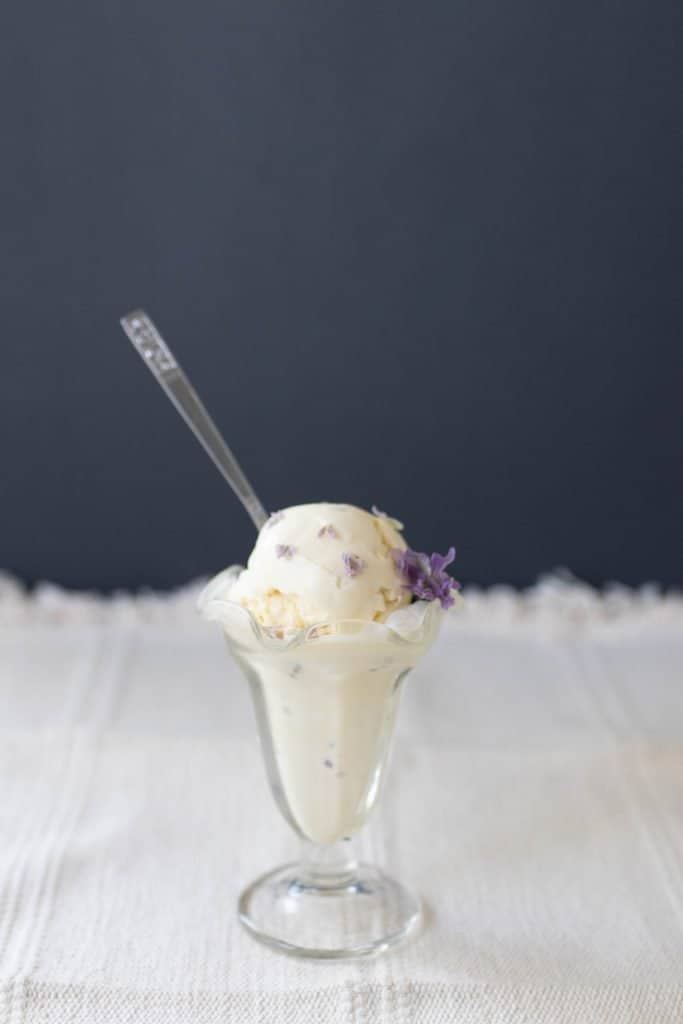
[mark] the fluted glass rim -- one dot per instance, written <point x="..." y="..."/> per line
<point x="212" y="605"/>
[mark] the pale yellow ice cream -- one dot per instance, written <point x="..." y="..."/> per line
<point x="320" y="563"/>
<point x="325" y="704"/>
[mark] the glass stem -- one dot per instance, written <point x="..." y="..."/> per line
<point x="328" y="866"/>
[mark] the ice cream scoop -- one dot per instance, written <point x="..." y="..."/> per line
<point x="320" y="563"/>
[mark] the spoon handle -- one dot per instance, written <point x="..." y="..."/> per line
<point x="165" y="369"/>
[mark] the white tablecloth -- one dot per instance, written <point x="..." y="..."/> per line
<point x="535" y="800"/>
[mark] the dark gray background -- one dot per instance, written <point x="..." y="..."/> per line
<point x="426" y="255"/>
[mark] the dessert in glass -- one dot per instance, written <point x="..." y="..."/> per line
<point x="327" y="620"/>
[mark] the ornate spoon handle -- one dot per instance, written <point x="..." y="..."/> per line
<point x="163" y="365"/>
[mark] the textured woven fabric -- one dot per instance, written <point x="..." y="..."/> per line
<point x="535" y="800"/>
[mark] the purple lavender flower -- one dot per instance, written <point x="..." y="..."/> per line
<point x="273" y="518"/>
<point x="284" y="550"/>
<point x="425" y="576"/>
<point x="353" y="564"/>
<point x="327" y="531"/>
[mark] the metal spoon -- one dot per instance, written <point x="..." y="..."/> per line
<point x="165" y="369"/>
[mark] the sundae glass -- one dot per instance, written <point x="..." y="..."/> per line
<point x="322" y="626"/>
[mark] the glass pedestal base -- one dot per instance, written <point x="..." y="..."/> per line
<point x="359" y="913"/>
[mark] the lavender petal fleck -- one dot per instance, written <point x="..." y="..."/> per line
<point x="353" y="564"/>
<point x="327" y="531"/>
<point x="285" y="550"/>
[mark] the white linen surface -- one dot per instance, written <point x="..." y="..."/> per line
<point x="535" y="800"/>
